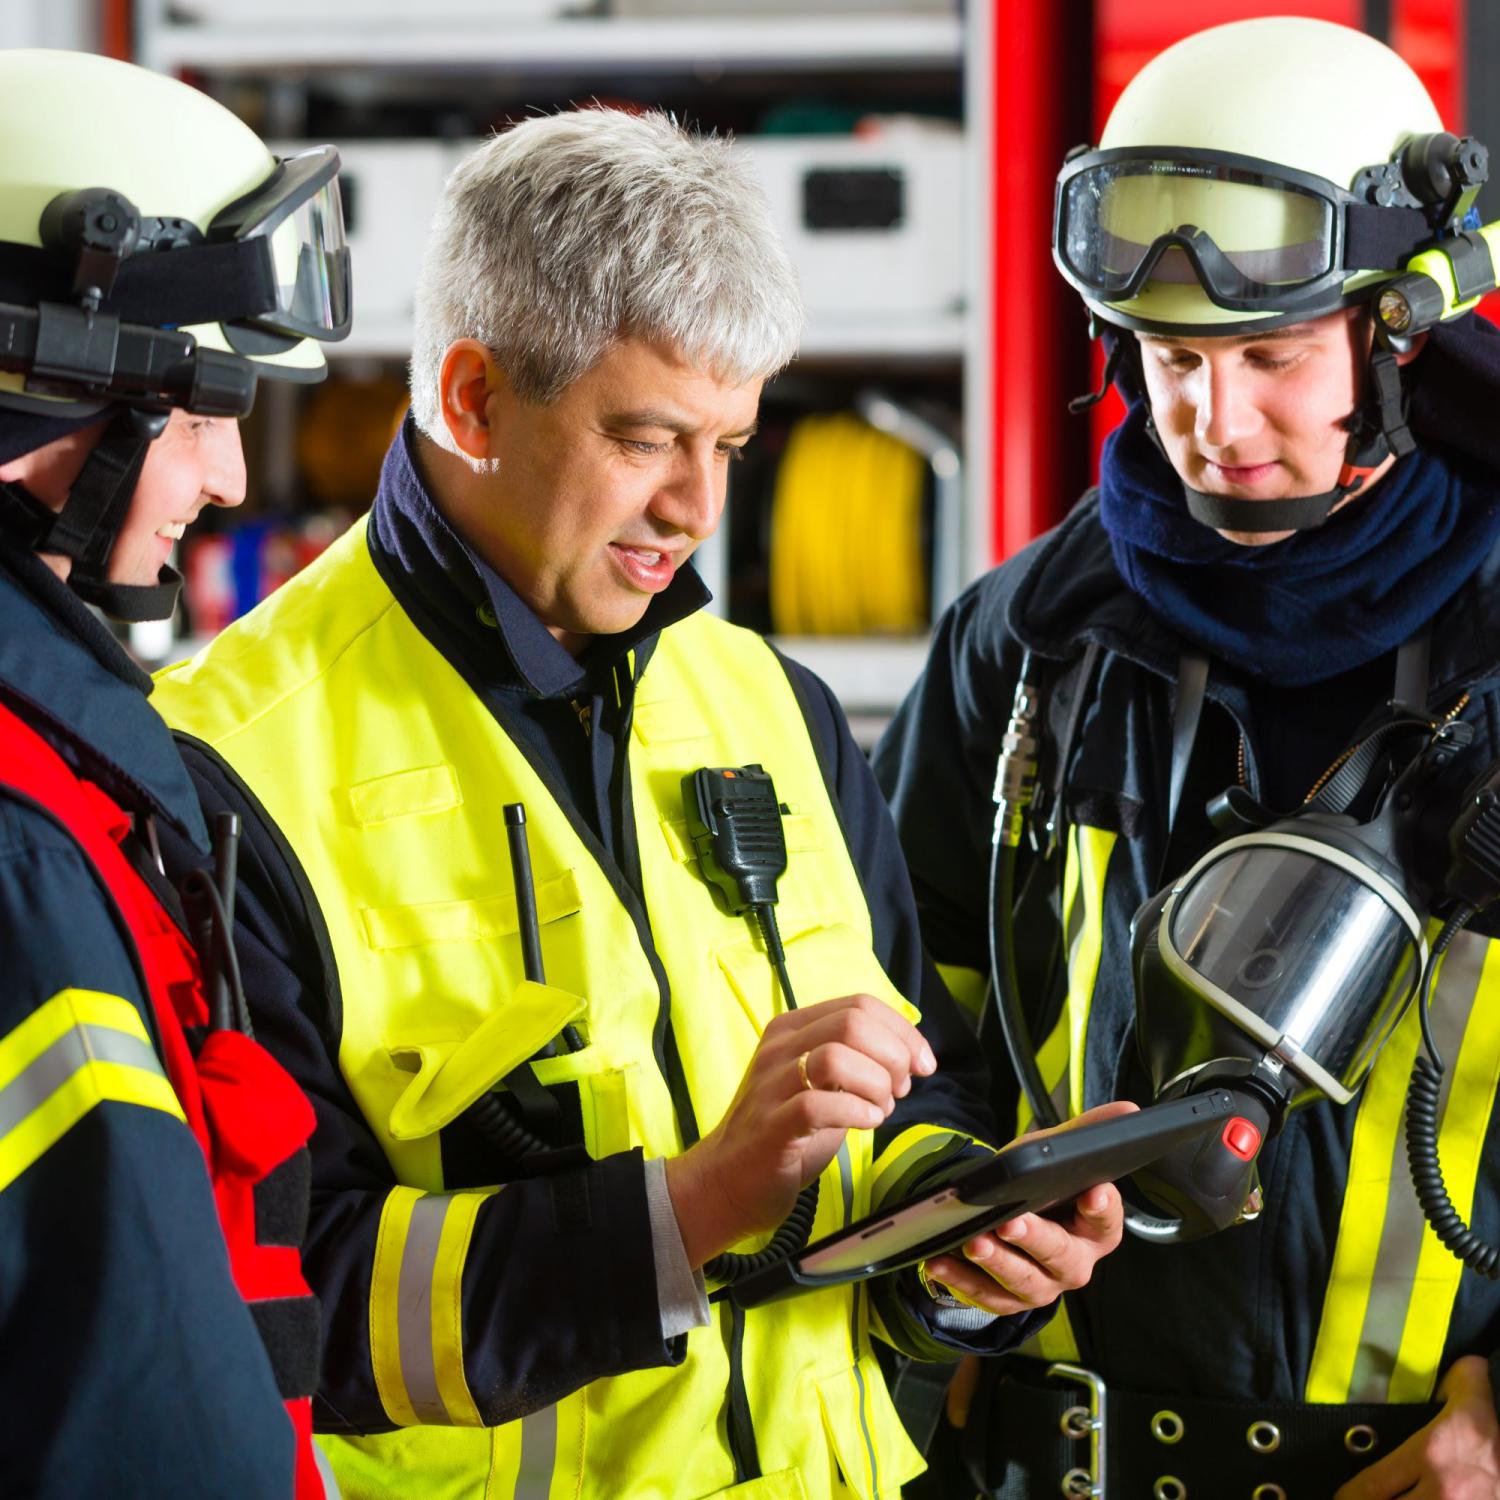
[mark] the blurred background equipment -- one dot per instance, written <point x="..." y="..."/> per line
<point x="874" y="224"/>
<point x="910" y="149"/>
<point x="345" y="427"/>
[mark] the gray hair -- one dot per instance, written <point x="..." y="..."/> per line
<point x="569" y="232"/>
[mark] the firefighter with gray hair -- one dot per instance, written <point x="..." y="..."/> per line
<point x="566" y="1084"/>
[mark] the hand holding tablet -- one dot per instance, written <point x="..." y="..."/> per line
<point x="1033" y="1173"/>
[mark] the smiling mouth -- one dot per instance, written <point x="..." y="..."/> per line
<point x="173" y="531"/>
<point x="1241" y="474"/>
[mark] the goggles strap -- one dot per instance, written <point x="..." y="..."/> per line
<point x="1383" y="238"/>
<point x="176" y="288"/>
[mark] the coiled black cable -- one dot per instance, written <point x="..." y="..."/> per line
<point x="1422" y="1102"/>
<point x="507" y="1135"/>
<point x="796" y="1229"/>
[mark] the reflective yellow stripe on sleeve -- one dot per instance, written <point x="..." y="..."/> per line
<point x="916" y="1151"/>
<point x="80" y="1049"/>
<point x="416" y="1306"/>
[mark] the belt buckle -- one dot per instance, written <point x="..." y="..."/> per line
<point x="1079" y="1421"/>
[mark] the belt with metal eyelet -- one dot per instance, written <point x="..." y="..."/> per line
<point x="1038" y="1431"/>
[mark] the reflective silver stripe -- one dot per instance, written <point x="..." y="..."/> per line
<point x="1395" y="1266"/>
<point x="864" y="1429"/>
<point x="538" y="1454"/>
<point x="414" y="1315"/>
<point x="325" y="1473"/>
<point x="74" y="1049"/>
<point x="846" y="1180"/>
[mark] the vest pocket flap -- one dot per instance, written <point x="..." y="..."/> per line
<point x="467" y="921"/>
<point x="801" y="831"/>
<point x="873" y="1450"/>
<point x="663" y="721"/>
<point x="825" y="964"/>
<point x="452" y="1075"/>
<point x="404" y="794"/>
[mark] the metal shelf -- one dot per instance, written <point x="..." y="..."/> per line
<point x="894" y="341"/>
<point x="869" y="674"/>
<point x="706" y="45"/>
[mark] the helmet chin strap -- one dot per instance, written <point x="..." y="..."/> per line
<point x="88" y="525"/>
<point x="1378" y="429"/>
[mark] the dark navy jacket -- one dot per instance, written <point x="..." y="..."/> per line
<point x="129" y="1365"/>
<point x="1236" y="1314"/>
<point x="539" y="1309"/>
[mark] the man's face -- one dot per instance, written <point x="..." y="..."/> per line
<point x="602" y="495"/>
<point x="197" y="461"/>
<point x="1258" y="416"/>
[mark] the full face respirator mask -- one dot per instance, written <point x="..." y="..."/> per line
<point x="1280" y="962"/>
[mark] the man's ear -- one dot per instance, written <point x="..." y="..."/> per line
<point x="468" y="381"/>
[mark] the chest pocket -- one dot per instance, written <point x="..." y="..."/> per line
<point x="824" y="963"/>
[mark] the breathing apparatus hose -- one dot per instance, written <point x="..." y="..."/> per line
<point x="1015" y="784"/>
<point x="1005" y="982"/>
<point x="1422" y="1102"/>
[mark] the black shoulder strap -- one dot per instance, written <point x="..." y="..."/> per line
<point x="1192" y="683"/>
<point x="1077" y="681"/>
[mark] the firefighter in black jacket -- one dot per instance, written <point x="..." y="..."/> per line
<point x="1296" y="523"/>
<point x="156" y="1329"/>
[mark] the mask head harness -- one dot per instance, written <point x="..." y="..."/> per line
<point x="1115" y="237"/>
<point x="96" y="315"/>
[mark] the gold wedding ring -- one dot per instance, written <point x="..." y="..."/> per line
<point x="802" y="1070"/>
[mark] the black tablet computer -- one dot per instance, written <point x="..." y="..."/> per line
<point x="1029" y="1175"/>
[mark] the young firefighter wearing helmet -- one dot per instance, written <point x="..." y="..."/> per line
<point x="157" y="1332"/>
<point x="1281" y="597"/>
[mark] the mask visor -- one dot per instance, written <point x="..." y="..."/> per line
<point x="1297" y="944"/>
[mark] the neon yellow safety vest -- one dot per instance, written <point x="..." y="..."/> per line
<point x="387" y="775"/>
<point x="1392" y="1287"/>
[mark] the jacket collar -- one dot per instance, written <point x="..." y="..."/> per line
<point x="471" y="614"/>
<point x="1070" y="592"/>
<point x="70" y="678"/>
